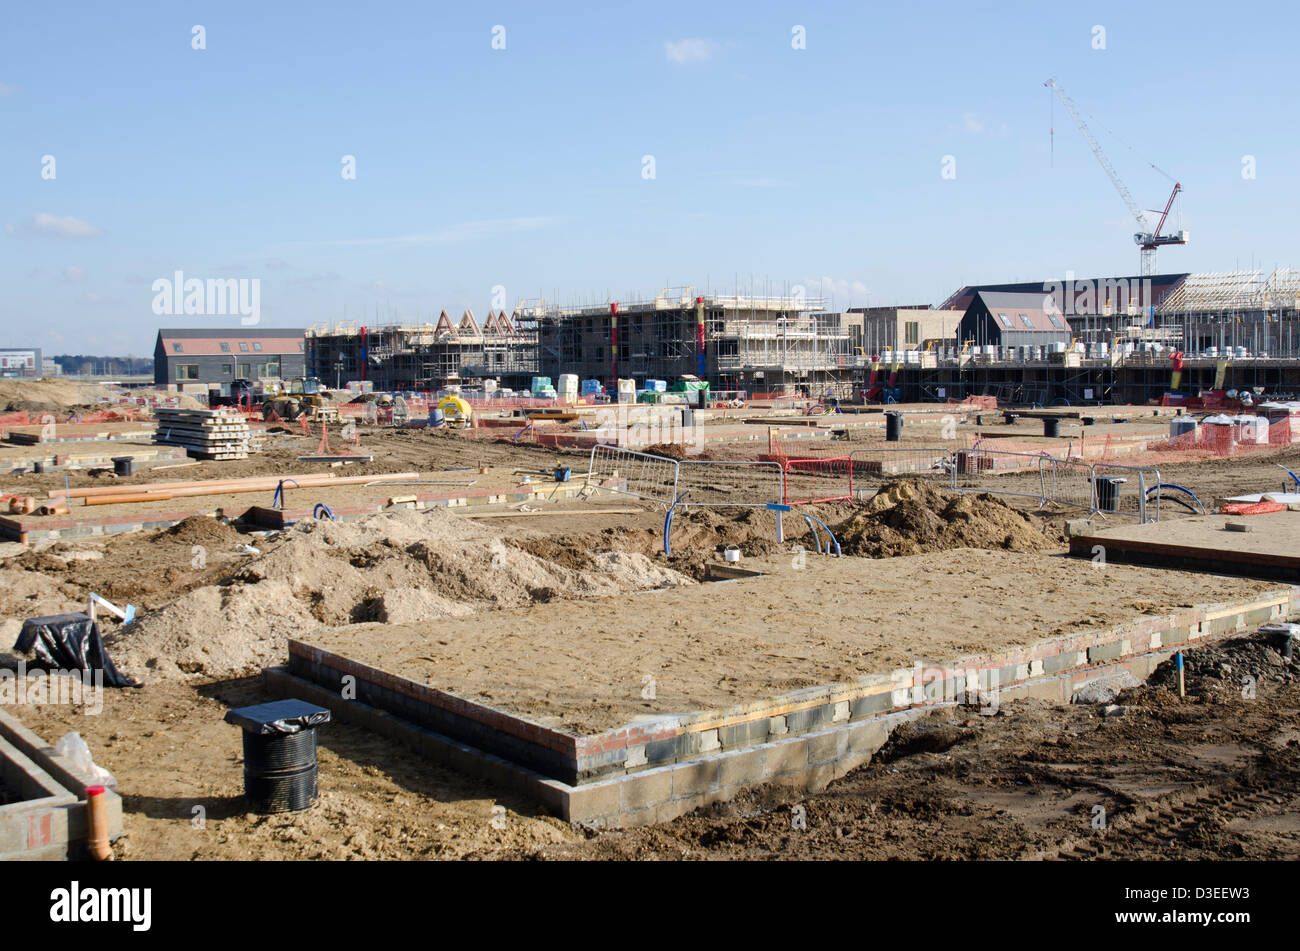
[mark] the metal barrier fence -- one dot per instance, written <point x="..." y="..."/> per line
<point x="721" y="483"/>
<point x="874" y="467"/>
<point x="653" y="478"/>
<point x="1112" y="493"/>
<point x="1022" y="474"/>
<point x="1070" y="482"/>
<point x="1096" y="488"/>
<point x="818" y="480"/>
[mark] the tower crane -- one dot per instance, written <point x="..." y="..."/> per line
<point x="1148" y="239"/>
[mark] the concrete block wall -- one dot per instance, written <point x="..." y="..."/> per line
<point x="49" y="820"/>
<point x="654" y="770"/>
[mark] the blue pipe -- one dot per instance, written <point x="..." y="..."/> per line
<point x="277" y="500"/>
<point x="813" y="518"/>
<point x="1289" y="472"/>
<point x="322" y="507"/>
<point x="1173" y="485"/>
<point x="668" y="524"/>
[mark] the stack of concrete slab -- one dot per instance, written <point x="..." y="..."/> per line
<point x="204" y="433"/>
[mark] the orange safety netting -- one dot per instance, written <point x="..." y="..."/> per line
<point x="1251" y="508"/>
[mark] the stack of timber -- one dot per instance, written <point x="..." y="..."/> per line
<point x="205" y="433"/>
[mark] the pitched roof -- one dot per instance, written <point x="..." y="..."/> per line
<point x="1024" y="312"/>
<point x="1096" y="289"/>
<point x="209" y="341"/>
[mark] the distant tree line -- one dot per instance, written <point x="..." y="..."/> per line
<point x="79" y="364"/>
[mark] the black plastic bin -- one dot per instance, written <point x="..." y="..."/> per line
<point x="1107" y="492"/>
<point x="893" y="427"/>
<point x="280" y="772"/>
<point x="1051" y="426"/>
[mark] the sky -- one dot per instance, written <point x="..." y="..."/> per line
<point x="588" y="152"/>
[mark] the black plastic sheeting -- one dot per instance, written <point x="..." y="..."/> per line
<point x="279" y="716"/>
<point x="70" y="642"/>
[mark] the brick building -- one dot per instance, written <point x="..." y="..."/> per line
<point x="198" y="358"/>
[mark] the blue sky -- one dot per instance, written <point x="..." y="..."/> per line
<point x="523" y="167"/>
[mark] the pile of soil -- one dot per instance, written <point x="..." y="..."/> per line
<point x="1218" y="669"/>
<point x="910" y="517"/>
<point x="56" y="396"/>
<point x="699" y="537"/>
<point x="128" y="569"/>
<point x="394" y="568"/>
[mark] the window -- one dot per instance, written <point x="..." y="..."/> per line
<point x="243" y="347"/>
<point x="257" y="346"/>
<point x="272" y="369"/>
<point x="245" y="371"/>
<point x="176" y="348"/>
<point x="227" y="369"/>
<point x="1006" y="322"/>
<point x="1056" y="320"/>
<point x="912" y="331"/>
<point x="187" y="371"/>
<point x="301" y="346"/>
<point x="1024" y="319"/>
<point x="225" y="348"/>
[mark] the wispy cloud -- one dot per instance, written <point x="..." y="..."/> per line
<point x="60" y="226"/>
<point x="6" y="90"/>
<point x="74" y="274"/>
<point x="465" y="231"/>
<point x="845" y="293"/>
<point x="693" y="50"/>
<point x="972" y="123"/>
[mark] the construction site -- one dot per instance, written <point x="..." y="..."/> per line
<point x="861" y="527"/>
<point x="627" y="631"/>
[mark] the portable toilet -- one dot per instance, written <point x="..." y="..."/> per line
<point x="626" y="391"/>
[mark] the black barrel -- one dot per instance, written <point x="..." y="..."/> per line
<point x="280" y="773"/>
<point x="124" y="465"/>
<point x="283" y="792"/>
<point x="1010" y="418"/>
<point x="1051" y="426"/>
<point x="893" y="427"/>
<point x="1107" y="492"/>
<point x="279" y="752"/>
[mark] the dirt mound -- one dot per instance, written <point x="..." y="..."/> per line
<point x="699" y="536"/>
<point x="395" y="567"/>
<point x="146" y="571"/>
<point x="201" y="530"/>
<point x="1228" y="667"/>
<point x="53" y="396"/>
<point x="909" y="517"/>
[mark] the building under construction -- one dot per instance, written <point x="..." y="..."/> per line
<point x="754" y="344"/>
<point x="1233" y="330"/>
<point x="426" y="356"/>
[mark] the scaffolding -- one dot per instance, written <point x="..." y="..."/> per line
<point x="1231" y="314"/>
<point x="750" y="342"/>
<point x="425" y="356"/>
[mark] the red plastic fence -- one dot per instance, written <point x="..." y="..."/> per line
<point x="817" y="480"/>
